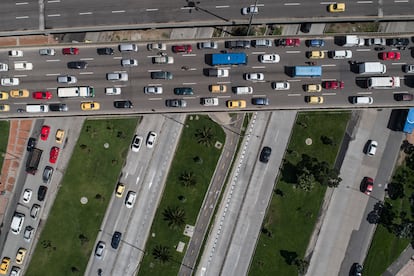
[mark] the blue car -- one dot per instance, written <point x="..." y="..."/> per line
<point x="315" y="43"/>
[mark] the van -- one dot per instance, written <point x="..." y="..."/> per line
<point x="128" y="47"/>
<point x="383" y="82"/>
<point x="17" y="223"/>
<point x="262" y="43"/>
<point x="362" y="100"/>
<point x="371" y="68"/>
<point x="240" y="90"/>
<point x="340" y="54"/>
<point x="37" y="108"/>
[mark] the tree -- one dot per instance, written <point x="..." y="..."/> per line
<point x="174" y="216"/>
<point x="205" y="136"/>
<point x="395" y="190"/>
<point x="306" y="181"/>
<point x="187" y="179"/>
<point x="327" y="140"/>
<point x="302" y="266"/>
<point x="386" y="215"/>
<point x="161" y="253"/>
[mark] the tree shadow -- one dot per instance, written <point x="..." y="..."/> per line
<point x="289" y="256"/>
<point x="289" y="172"/>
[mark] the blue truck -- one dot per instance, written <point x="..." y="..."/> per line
<point x="307" y="71"/>
<point x="229" y="59"/>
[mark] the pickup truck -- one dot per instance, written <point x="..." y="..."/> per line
<point x="220" y="73"/>
<point x="21" y="66"/>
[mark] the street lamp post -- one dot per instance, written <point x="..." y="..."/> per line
<point x="251" y="19"/>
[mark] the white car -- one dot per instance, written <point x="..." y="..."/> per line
<point x="152" y="136"/>
<point x="269" y="58"/>
<point x="207" y="45"/>
<point x="27" y="195"/>
<point x="10" y="81"/>
<point x="67" y="79"/>
<point x="157" y="46"/>
<point x="113" y="91"/>
<point x="100" y="250"/>
<point x="136" y="143"/>
<point x="15" y="53"/>
<point x="281" y="85"/>
<point x="4" y="67"/>
<point x="249" y="10"/>
<point x="372" y="148"/>
<point x="153" y="90"/>
<point x="210" y="101"/>
<point x="117" y="76"/>
<point x="129" y="62"/>
<point x="130" y="199"/>
<point x="254" y="76"/>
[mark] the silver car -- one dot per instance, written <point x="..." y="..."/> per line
<point x="67" y="79"/>
<point x="153" y="90"/>
<point x="117" y="76"/>
<point x="207" y="45"/>
<point x="100" y="250"/>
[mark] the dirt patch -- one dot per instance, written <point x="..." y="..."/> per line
<point x="27" y="40"/>
<point x="139" y="35"/>
<point x="356" y="27"/>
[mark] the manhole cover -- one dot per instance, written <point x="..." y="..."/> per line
<point x="308" y="141"/>
<point x="84" y="200"/>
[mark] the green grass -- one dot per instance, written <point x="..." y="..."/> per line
<point x="290" y="219"/>
<point x="4" y="138"/>
<point x="93" y="170"/>
<point x="183" y="161"/>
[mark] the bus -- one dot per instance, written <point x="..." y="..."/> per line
<point x="229" y="59"/>
<point x="307" y="71"/>
<point x="78" y="91"/>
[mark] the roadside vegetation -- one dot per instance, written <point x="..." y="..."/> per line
<point x="4" y="138"/>
<point x="299" y="192"/>
<point x="188" y="180"/>
<point x="68" y="237"/>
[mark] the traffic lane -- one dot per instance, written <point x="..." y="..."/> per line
<point x="21" y="15"/>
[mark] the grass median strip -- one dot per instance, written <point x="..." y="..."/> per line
<point x="4" y="138"/>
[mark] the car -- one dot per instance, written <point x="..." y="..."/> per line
<point x="176" y="103"/>
<point x="42" y="95"/>
<point x="34" y="212"/>
<point x="236" y="104"/>
<point x="254" y="76"/>
<point x="128" y="47"/>
<point x="313" y="88"/>
<point x="4" y="107"/>
<point x="315" y="43"/>
<point x="151" y="138"/>
<point x="20" y="93"/>
<point x="123" y="104"/>
<point x="58" y="107"/>
<point x="67" y="79"/>
<point x="15" y="53"/>
<point x="10" y="81"/>
<point x="41" y="193"/>
<point x="21" y="253"/>
<point x="334" y="84"/>
<point x="70" y="51"/>
<point x="161" y="75"/>
<point x="337" y="7"/>
<point x="183" y="91"/>
<point x="4" y="267"/>
<point x="356" y="269"/>
<point x="54" y="154"/>
<point x="390" y="55"/>
<point x="117" y="76"/>
<point x="218" y="88"/>
<point x="136" y="143"/>
<point x="31" y="144"/>
<point x="113" y="91"/>
<point x="269" y="58"/>
<point x="163" y="60"/>
<point x="60" y="134"/>
<point x="403" y="97"/>
<point x="209" y="101"/>
<point x="90" y="106"/>
<point x="153" y="90"/>
<point x="27" y="195"/>
<point x="4" y="67"/>
<point x="253" y="9"/>
<point x="367" y="185"/>
<point x="47" y="52"/>
<point x="240" y="44"/>
<point x="130" y="62"/>
<point x="100" y="250"/>
<point x="408" y="68"/>
<point x="47" y="174"/>
<point x="28" y="233"/>
<point x="157" y="46"/>
<point x="105" y="51"/>
<point x="15" y="271"/>
<point x="375" y="41"/>
<point x="119" y="191"/>
<point x="4" y="96"/>
<point x="116" y="239"/>
<point x="265" y="154"/>
<point x="305" y="27"/>
<point x="260" y="101"/>
<point x="372" y="148"/>
<point x="130" y="199"/>
<point x="399" y="41"/>
<point x="77" y="64"/>
<point x="182" y="48"/>
<point x="316" y="54"/>
<point x="280" y="85"/>
<point x="288" y="42"/>
<point x="314" y="99"/>
<point x="44" y="132"/>
<point x="207" y="45"/>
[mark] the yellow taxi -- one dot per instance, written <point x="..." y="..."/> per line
<point x="120" y="188"/>
<point x="21" y="253"/>
<point x="60" y="134"/>
<point x="4" y="266"/>
<point x="313" y="88"/>
<point x="19" y="93"/>
<point x="315" y="100"/>
<point x="4" y="107"/>
<point x="236" y="104"/>
<point x="218" y="88"/>
<point x="4" y="96"/>
<point x="90" y="106"/>
<point x="316" y="54"/>
<point x="337" y="7"/>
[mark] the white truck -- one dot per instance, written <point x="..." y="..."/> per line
<point x="371" y="68"/>
<point x="21" y="66"/>
<point x="220" y="73"/>
<point x="353" y="40"/>
<point x="77" y="91"/>
<point x="383" y="82"/>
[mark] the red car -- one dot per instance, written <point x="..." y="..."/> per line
<point x="54" y="153"/>
<point x="70" y="51"/>
<point x="333" y="84"/>
<point x="390" y="55"/>
<point x="44" y="133"/>
<point x="367" y="185"/>
<point x="42" y="95"/>
<point x="288" y="42"/>
<point x="182" y="49"/>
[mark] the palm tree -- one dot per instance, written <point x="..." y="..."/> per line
<point x="187" y="179"/>
<point x="175" y="217"/>
<point x="161" y="253"/>
<point x="205" y="136"/>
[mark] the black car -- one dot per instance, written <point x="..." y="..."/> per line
<point x="399" y="41"/>
<point x="58" y="107"/>
<point x="176" y="103"/>
<point x="403" y="97"/>
<point x="47" y="174"/>
<point x="305" y="27"/>
<point x="105" y="51"/>
<point x="260" y="101"/>
<point x="116" y="239"/>
<point x="77" y="65"/>
<point x="265" y="154"/>
<point x="123" y="104"/>
<point x="41" y="193"/>
<point x="183" y="91"/>
<point x="31" y="143"/>
<point x="244" y="44"/>
<point x="162" y="75"/>
<point x="356" y="269"/>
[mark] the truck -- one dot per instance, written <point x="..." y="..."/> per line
<point x="21" y="66"/>
<point x="219" y="73"/>
<point x="307" y="71"/>
<point x="353" y="40"/>
<point x="76" y="91"/>
<point x="383" y="82"/>
<point x="229" y="59"/>
<point x="33" y="160"/>
<point x="371" y="68"/>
